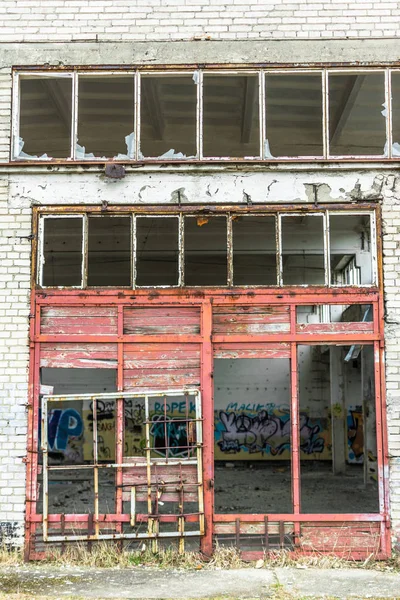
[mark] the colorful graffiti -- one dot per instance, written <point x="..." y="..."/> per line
<point x="266" y="434"/>
<point x="355" y="434"/>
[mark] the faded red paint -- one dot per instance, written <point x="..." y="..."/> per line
<point x="165" y="339"/>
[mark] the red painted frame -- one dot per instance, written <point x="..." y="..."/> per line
<point x="206" y="299"/>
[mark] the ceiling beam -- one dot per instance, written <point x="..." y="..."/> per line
<point x="249" y="101"/>
<point x="151" y="98"/>
<point x="345" y="106"/>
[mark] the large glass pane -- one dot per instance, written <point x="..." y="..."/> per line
<point x="168" y="116"/>
<point x="157" y="245"/>
<point x="254" y="250"/>
<point x="231" y="116"/>
<point x="62" y="251"/>
<point x="106" y="116"/>
<point x="293" y="115"/>
<point x="252" y="435"/>
<point x="338" y="449"/>
<point x="45" y="117"/>
<point x="396" y="113"/>
<point x="303" y="250"/>
<point x="356" y="122"/>
<point x="206" y="251"/>
<point x="350" y="249"/>
<point x="109" y="251"/>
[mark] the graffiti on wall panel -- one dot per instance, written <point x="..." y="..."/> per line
<point x="355" y="434"/>
<point x="266" y="434"/>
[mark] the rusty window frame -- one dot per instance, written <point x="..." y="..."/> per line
<point x="198" y="112"/>
<point x="16" y="109"/>
<point x="261" y="72"/>
<point x="388" y="132"/>
<point x="277" y="213"/>
<point x="152" y="530"/>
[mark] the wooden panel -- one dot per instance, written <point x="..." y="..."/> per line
<point x="233" y="320"/>
<point x="256" y="528"/>
<point x="155" y="366"/>
<point x="332" y="328"/>
<point x="82" y="320"/>
<point x="251" y="350"/>
<point x="167" y="479"/>
<point x="161" y="321"/>
<point x="341" y="537"/>
<point x="70" y="356"/>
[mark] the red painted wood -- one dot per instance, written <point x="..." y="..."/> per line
<point x="250" y="319"/>
<point x="341" y="327"/>
<point x="251" y="350"/>
<point x="95" y="356"/>
<point x="97" y="320"/>
<point x="160" y="321"/>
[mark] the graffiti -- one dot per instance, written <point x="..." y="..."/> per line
<point x="266" y="433"/>
<point x="169" y="432"/>
<point x="63" y="425"/>
<point x="355" y="434"/>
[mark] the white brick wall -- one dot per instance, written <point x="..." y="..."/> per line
<point x="65" y="20"/>
<point x="15" y="225"/>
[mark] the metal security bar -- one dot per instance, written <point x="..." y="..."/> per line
<point x="169" y="471"/>
<point x="334" y="109"/>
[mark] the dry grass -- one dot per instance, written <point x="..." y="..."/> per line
<point x="106" y="555"/>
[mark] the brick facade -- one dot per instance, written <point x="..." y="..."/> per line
<point x="59" y="21"/>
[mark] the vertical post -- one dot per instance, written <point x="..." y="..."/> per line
<point x="119" y="416"/>
<point x="208" y="430"/>
<point x="96" y="468"/>
<point x="338" y="410"/>
<point x="294" y="420"/>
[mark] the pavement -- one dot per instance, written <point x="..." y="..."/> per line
<point x="148" y="583"/>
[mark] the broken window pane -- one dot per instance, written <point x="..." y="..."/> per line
<point x="157" y="245"/>
<point x="231" y="116"/>
<point x="337" y="430"/>
<point x="106" y="116"/>
<point x="254" y="250"/>
<point x="294" y="115"/>
<point x="62" y="251"/>
<point x="350" y="249"/>
<point x="109" y="251"/>
<point x="206" y="251"/>
<point x="356" y="123"/>
<point x="252" y="431"/>
<point x="334" y="313"/>
<point x="396" y="113"/>
<point x="303" y="250"/>
<point x="45" y="117"/>
<point x="168" y="116"/>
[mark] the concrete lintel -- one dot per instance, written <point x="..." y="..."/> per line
<point x="259" y="52"/>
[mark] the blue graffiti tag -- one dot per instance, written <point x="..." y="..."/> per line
<point x="62" y="425"/>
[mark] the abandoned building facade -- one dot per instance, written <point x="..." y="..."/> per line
<point x="200" y="227"/>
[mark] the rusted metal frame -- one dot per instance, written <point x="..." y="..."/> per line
<point x="325" y="114"/>
<point x="206" y="524"/>
<point x="361" y="71"/>
<point x="210" y="209"/>
<point x="294" y="426"/>
<point x="262" y="113"/>
<point x="389" y="113"/>
<point x="199" y="115"/>
<point x="299" y="518"/>
<point x="120" y="416"/>
<point x="74" y="115"/>
<point x="161" y="74"/>
<point x="229" y="256"/>
<point x="111" y="518"/>
<point x="44" y="449"/>
<point x="279" y="259"/>
<point x="154" y="536"/>
<point x="379" y="445"/>
<point x="327" y="249"/>
<point x="151" y="521"/>
<point x="189" y="297"/>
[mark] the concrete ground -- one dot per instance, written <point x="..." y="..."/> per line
<point x="30" y="582"/>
